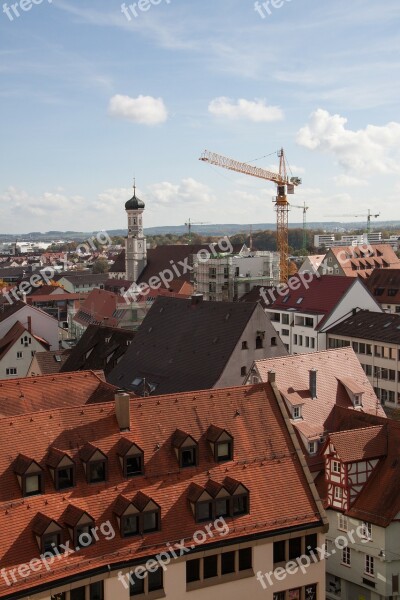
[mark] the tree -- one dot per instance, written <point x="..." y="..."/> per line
<point x="101" y="266"/>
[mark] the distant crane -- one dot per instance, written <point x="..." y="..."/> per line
<point x="284" y="186"/>
<point x="305" y="209"/>
<point x="368" y="216"/>
<point x="190" y="224"/>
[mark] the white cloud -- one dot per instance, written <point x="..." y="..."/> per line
<point x="188" y="191"/>
<point x="365" y="151"/>
<point x="145" y="110"/>
<point x="350" y="181"/>
<point x="256" y="111"/>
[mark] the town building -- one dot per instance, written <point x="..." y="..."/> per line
<point x="82" y="282"/>
<point x="99" y="349"/>
<point x="358" y="261"/>
<point x="228" y="277"/>
<point x="17" y="348"/>
<point x="303" y="311"/>
<point x="375" y="338"/>
<point x="311" y="263"/>
<point x="384" y="285"/>
<point x="312" y="386"/>
<point x="47" y="363"/>
<point x="38" y="322"/>
<point x="192" y="344"/>
<point x="164" y="498"/>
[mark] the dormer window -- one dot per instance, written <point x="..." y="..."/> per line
<point x="312" y="447"/>
<point x="62" y="469"/>
<point x="80" y="526"/>
<point x="48" y="534"/>
<point x="357" y="400"/>
<point x="29" y="475"/>
<point x="94" y="463"/>
<point x="138" y="516"/>
<point x="186" y="449"/>
<point x="296" y="411"/>
<point x="221" y="443"/>
<point x="230" y="499"/>
<point x="131" y="458"/>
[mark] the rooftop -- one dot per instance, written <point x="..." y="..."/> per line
<point x="366" y="325"/>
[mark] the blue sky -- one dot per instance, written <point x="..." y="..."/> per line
<point x="90" y="99"/>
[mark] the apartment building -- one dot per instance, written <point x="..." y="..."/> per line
<point x="358" y="261"/>
<point x="228" y="278"/>
<point x="384" y="285"/>
<point x="303" y="311"/>
<point x="375" y="338"/>
<point x="172" y="497"/>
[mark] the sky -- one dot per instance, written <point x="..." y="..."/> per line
<point x="94" y="93"/>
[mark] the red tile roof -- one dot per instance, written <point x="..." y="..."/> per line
<point x="265" y="461"/>
<point x="99" y="307"/>
<point x="31" y="394"/>
<point x="379" y="256"/>
<point x="292" y="379"/>
<point x="319" y="296"/>
<point x="360" y="444"/>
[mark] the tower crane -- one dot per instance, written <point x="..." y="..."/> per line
<point x="368" y="216"/>
<point x="305" y="209"/>
<point x="284" y="186"/>
<point x="189" y="225"/>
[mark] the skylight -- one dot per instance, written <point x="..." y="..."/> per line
<point x="286" y="298"/>
<point x="137" y="381"/>
<point x="299" y="300"/>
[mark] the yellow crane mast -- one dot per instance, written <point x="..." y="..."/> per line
<point x="284" y="186"/>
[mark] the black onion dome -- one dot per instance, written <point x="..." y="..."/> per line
<point x="134" y="203"/>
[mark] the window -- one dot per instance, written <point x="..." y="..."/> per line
<point x="311" y="544"/>
<point x="155" y="580"/>
<point x="129" y="525"/>
<point x="218" y="565"/>
<point x="223" y="451"/>
<point x="279" y="551"/>
<point x="193" y="570"/>
<point x="51" y="542"/>
<point x="285" y="319"/>
<point x="243" y="371"/>
<point x="188" y="457"/>
<point x="285" y="332"/>
<point x="273" y="341"/>
<point x="259" y="342"/>
<point x="338" y="493"/>
<point x="369" y="565"/>
<point x="244" y="346"/>
<point x="309" y="322"/>
<point x="346" y="557"/>
<point x="240" y="504"/>
<point x="97" y="471"/>
<point x="150" y="521"/>
<point x="133" y="465"/>
<point x="11" y="371"/>
<point x="312" y="447"/>
<point x="296" y="412"/>
<point x="65" y="477"/>
<point x="295" y="548"/>
<point x="19" y="354"/>
<point x="342" y="522"/>
<point x="204" y="511"/>
<point x="32" y="484"/>
<point x="78" y="593"/>
<point x="336" y="468"/>
<point x="366" y="530"/>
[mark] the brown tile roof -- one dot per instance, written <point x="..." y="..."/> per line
<point x="265" y="461"/>
<point x="384" y="285"/>
<point x="30" y="394"/>
<point x="380" y="256"/>
<point x="51" y="361"/>
<point x="292" y="379"/>
<point x="98" y="306"/>
<point x="360" y="444"/>
<point x="366" y="325"/>
<point x="180" y="346"/>
<point x="100" y="348"/>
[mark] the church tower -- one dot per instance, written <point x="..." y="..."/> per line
<point x="135" y="243"/>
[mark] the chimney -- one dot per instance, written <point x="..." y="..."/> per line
<point x="197" y="299"/>
<point x="30" y="324"/>
<point x="271" y="376"/>
<point x="123" y="410"/>
<point x="313" y="383"/>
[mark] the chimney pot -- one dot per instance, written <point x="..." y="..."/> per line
<point x="197" y="299"/>
<point x="271" y="376"/>
<point x="313" y="383"/>
<point x="123" y="410"/>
